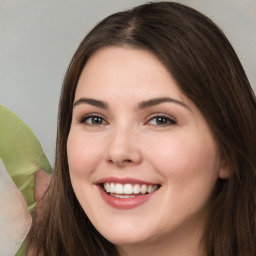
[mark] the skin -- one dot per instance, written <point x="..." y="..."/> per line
<point x="42" y="181"/>
<point x="178" y="153"/>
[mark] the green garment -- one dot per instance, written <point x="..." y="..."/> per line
<point x="22" y="155"/>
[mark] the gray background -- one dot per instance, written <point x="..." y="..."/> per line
<point x="39" y="37"/>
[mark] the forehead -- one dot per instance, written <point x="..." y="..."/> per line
<point x="119" y="70"/>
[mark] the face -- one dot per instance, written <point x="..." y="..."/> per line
<point x="141" y="157"/>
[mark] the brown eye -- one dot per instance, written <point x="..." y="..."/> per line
<point x="161" y="121"/>
<point x="93" y="120"/>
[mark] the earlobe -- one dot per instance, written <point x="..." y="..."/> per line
<point x="224" y="171"/>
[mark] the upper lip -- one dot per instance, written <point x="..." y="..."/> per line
<point x="125" y="180"/>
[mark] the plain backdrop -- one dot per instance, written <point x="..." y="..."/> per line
<point x="39" y="37"/>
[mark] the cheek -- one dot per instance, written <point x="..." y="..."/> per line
<point x="186" y="159"/>
<point x="190" y="171"/>
<point x="83" y="155"/>
<point x="83" y="158"/>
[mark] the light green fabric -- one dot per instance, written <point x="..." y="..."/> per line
<point x="22" y="155"/>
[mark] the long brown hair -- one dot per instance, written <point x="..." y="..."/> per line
<point x="208" y="71"/>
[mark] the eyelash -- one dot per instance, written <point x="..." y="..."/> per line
<point x="168" y="120"/>
<point x="84" y="119"/>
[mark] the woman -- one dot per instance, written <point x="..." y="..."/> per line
<point x="156" y="142"/>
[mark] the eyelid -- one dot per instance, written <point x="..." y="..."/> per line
<point x="163" y="115"/>
<point x="82" y="119"/>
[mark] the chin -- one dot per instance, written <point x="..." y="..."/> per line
<point x="126" y="238"/>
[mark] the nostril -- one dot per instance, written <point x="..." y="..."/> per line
<point x="127" y="161"/>
<point x="120" y="162"/>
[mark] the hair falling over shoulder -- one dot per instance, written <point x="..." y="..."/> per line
<point x="214" y="80"/>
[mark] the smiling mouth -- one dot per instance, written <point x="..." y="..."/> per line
<point x="128" y="190"/>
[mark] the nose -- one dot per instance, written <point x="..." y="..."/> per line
<point x="123" y="149"/>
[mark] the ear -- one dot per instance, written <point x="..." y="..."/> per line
<point x="224" y="170"/>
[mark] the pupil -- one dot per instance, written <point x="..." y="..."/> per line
<point x="161" y="120"/>
<point x="96" y="120"/>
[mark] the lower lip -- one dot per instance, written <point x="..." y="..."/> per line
<point x="125" y="203"/>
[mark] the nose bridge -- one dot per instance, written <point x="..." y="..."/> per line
<point x="122" y="148"/>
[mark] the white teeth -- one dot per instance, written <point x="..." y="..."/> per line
<point x="122" y="196"/>
<point x="112" y="188"/>
<point x="119" y="188"/>
<point x="154" y="188"/>
<point x="136" y="189"/>
<point x="107" y="187"/>
<point x="143" y="189"/>
<point x="128" y="189"/>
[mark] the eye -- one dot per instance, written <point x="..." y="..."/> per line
<point x="93" y="120"/>
<point x="161" y="120"/>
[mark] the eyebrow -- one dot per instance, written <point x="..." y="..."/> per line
<point x="142" y="105"/>
<point x="93" y="102"/>
<point x="157" y="101"/>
